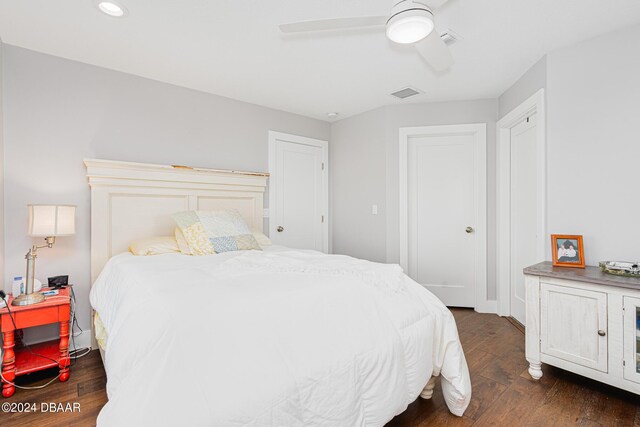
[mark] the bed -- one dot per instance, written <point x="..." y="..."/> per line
<point x="279" y="337"/>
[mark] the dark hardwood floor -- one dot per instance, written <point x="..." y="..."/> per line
<point x="505" y="395"/>
<point x="85" y="386"/>
<point x="503" y="392"/>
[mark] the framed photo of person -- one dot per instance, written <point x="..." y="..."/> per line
<point x="567" y="250"/>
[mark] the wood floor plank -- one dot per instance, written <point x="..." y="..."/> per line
<point x="485" y="392"/>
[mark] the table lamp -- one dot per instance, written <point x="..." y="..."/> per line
<point x="48" y="221"/>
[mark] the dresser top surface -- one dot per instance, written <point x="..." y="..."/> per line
<point x="590" y="274"/>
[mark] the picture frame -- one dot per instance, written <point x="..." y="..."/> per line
<point x="567" y="250"/>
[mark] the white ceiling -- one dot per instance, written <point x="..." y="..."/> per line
<point x="234" y="48"/>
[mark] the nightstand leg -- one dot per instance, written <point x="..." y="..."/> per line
<point x="64" y="351"/>
<point x="8" y="364"/>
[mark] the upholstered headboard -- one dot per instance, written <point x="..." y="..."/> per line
<point x="135" y="200"/>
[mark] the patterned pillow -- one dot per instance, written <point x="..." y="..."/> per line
<point x="210" y="232"/>
<point x="182" y="242"/>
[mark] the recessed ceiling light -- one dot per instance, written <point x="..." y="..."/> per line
<point x="112" y="8"/>
<point x="333" y="115"/>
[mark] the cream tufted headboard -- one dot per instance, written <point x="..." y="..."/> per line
<point x="135" y="200"/>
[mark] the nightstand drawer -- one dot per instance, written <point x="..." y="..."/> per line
<point x="42" y="316"/>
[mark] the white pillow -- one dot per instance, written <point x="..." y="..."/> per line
<point x="262" y="239"/>
<point x="154" y="246"/>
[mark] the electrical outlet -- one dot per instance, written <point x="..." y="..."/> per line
<point x="374" y="210"/>
<point x="265" y="213"/>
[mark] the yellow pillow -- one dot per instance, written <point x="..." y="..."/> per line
<point x="154" y="246"/>
<point x="182" y="242"/>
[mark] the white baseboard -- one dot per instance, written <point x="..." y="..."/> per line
<point x="487" y="306"/>
<point x="83" y="340"/>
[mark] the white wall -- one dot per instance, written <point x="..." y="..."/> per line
<point x="358" y="181"/>
<point x="594" y="144"/>
<point x="533" y="80"/>
<point x="58" y="112"/>
<point x="364" y="168"/>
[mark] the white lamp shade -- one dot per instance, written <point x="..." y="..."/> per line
<point x="52" y="220"/>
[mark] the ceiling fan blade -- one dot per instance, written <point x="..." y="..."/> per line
<point x="435" y="52"/>
<point x="435" y="4"/>
<point x="333" y="24"/>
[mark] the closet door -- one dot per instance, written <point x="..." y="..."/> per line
<point x="298" y="192"/>
<point x="445" y="231"/>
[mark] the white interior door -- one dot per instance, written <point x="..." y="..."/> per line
<point x="445" y="230"/>
<point x="524" y="224"/>
<point x="521" y="194"/>
<point x="298" y="192"/>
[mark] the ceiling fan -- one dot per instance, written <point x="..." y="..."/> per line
<point x="410" y="22"/>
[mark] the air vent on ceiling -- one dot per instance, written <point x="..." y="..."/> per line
<point x="406" y="93"/>
<point x="449" y="37"/>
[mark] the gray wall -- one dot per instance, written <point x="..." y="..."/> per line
<point x="533" y="80"/>
<point x="58" y="112"/>
<point x="358" y="181"/>
<point x="364" y="154"/>
<point x="594" y="144"/>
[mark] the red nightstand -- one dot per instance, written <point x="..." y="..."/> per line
<point x="20" y="361"/>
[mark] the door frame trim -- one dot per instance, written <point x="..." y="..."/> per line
<point x="303" y="140"/>
<point x="534" y="104"/>
<point x="479" y="130"/>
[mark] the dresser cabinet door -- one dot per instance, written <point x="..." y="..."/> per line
<point x="574" y="325"/>
<point x="632" y="339"/>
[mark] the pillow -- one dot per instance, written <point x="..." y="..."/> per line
<point x="154" y="246"/>
<point x="182" y="242"/>
<point x="215" y="231"/>
<point x="261" y="238"/>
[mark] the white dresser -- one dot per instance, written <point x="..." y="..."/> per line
<point x="584" y="321"/>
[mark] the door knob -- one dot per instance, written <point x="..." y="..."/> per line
<point x="602" y="333"/>
<point x="469" y="230"/>
<point x="280" y="229"/>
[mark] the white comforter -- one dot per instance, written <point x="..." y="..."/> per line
<point x="274" y="338"/>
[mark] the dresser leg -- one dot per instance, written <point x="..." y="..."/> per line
<point x="64" y="351"/>
<point x="8" y="364"/>
<point x="535" y="370"/>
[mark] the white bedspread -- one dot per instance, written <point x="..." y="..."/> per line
<point x="274" y="338"/>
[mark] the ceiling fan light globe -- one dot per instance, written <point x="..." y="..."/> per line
<point x="410" y="26"/>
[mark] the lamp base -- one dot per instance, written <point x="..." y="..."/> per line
<point x="28" y="299"/>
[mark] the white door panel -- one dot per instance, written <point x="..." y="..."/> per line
<point x="443" y="200"/>
<point x="298" y="205"/>
<point x="298" y="195"/>
<point x="523" y="210"/>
